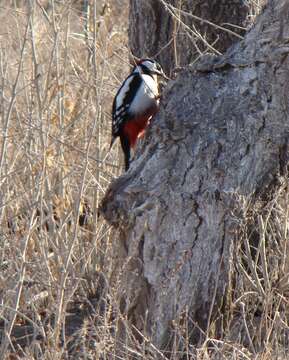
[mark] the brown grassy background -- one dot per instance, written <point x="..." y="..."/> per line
<point x="59" y="68"/>
<point x="59" y="71"/>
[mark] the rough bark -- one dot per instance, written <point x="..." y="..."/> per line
<point x="154" y="31"/>
<point x="222" y="132"/>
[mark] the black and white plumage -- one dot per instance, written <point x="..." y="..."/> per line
<point x="136" y="101"/>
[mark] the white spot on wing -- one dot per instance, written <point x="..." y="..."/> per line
<point x="123" y="91"/>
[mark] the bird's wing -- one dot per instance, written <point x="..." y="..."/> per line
<point x="123" y="100"/>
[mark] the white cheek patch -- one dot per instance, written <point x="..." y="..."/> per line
<point x="151" y="65"/>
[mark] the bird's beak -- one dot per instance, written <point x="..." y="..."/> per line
<point x="163" y="75"/>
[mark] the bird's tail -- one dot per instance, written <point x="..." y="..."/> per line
<point x="112" y="142"/>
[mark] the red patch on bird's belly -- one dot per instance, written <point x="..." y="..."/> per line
<point x="135" y="128"/>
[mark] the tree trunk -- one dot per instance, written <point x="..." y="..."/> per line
<point x="177" y="40"/>
<point x="221" y="134"/>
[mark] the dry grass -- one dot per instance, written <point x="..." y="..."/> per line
<point x="59" y="70"/>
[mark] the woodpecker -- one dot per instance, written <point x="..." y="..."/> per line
<point x="135" y="103"/>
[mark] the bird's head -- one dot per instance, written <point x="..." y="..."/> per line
<point x="150" y="67"/>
